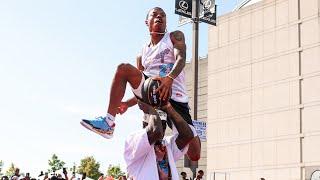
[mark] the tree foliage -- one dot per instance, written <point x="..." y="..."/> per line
<point x="115" y="171"/>
<point x="89" y="166"/>
<point x="55" y="163"/>
<point x="1" y="166"/>
<point x="11" y="170"/>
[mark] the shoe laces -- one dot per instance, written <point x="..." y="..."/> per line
<point x="100" y="118"/>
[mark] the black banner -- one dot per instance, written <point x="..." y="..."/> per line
<point x="207" y="16"/>
<point x="183" y="8"/>
<point x="207" y="11"/>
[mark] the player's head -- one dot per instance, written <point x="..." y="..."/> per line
<point x="156" y="20"/>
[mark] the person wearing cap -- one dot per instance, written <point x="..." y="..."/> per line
<point x="149" y="154"/>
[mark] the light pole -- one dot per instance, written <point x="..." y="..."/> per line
<point x="191" y="9"/>
<point x="195" y="54"/>
<point x="195" y="59"/>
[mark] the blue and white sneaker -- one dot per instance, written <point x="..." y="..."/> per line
<point x="100" y="126"/>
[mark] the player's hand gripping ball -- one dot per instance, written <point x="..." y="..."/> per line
<point x="149" y="94"/>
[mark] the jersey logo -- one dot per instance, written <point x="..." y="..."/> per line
<point x="162" y="54"/>
<point x="165" y="69"/>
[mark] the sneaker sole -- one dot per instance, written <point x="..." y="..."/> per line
<point x="107" y="136"/>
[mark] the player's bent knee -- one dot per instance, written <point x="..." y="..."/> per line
<point x="122" y="67"/>
<point x="127" y="68"/>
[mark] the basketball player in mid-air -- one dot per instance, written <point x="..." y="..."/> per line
<point x="162" y="58"/>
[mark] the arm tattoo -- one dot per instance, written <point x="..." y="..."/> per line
<point x="179" y="47"/>
<point x="178" y="36"/>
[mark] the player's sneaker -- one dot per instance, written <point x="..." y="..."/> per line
<point x="99" y="125"/>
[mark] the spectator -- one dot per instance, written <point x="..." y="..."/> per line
<point x="4" y="178"/>
<point x="16" y="174"/>
<point x="123" y="178"/>
<point x="41" y="174"/>
<point x="27" y="176"/>
<point x="84" y="176"/>
<point x="101" y="177"/>
<point x="54" y="178"/>
<point x="200" y="175"/>
<point x="46" y="177"/>
<point x="183" y="176"/>
<point x="73" y="176"/>
<point x="59" y="176"/>
<point x="109" y="178"/>
<point x="65" y="173"/>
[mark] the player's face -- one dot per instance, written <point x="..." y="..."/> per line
<point x="160" y="150"/>
<point x="156" y="20"/>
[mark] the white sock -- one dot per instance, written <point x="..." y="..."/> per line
<point x="110" y="119"/>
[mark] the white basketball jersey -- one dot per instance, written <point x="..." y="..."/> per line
<point x="159" y="60"/>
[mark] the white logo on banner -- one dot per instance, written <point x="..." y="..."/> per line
<point x="183" y="5"/>
<point x="207" y="4"/>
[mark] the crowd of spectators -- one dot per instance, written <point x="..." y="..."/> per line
<point x="199" y="176"/>
<point x="44" y="176"/>
<point x="65" y="176"/>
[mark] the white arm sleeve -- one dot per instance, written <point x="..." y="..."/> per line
<point x="175" y="131"/>
<point x="136" y="146"/>
<point x="176" y="152"/>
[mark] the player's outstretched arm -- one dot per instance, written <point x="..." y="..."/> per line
<point x="183" y="128"/>
<point x="127" y="104"/>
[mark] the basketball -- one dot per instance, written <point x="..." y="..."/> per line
<point x="149" y="94"/>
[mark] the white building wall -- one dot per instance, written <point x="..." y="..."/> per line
<point x="264" y="92"/>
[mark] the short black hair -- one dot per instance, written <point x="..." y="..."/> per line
<point x="152" y="9"/>
<point x="54" y="178"/>
<point x="183" y="173"/>
<point x="4" y="177"/>
<point x="200" y="171"/>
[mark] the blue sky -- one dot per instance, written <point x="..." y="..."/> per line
<point x="57" y="60"/>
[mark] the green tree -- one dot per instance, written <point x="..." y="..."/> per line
<point x="11" y="170"/>
<point x="55" y="163"/>
<point x="115" y="171"/>
<point x="89" y="166"/>
<point x="1" y="166"/>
